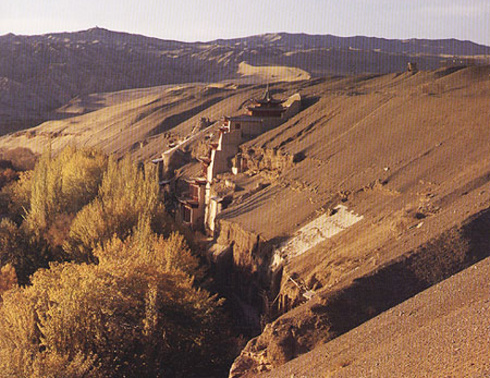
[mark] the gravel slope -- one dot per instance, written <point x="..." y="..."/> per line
<point x="441" y="332"/>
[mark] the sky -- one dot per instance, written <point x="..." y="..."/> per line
<point x="204" y="20"/>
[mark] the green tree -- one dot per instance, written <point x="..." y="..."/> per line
<point x="134" y="311"/>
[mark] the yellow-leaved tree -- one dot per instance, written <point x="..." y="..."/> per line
<point x="127" y="304"/>
<point x="146" y="248"/>
<point x="17" y="250"/>
<point x="136" y="313"/>
<point x="63" y="184"/>
<point x="8" y="279"/>
<point x="44" y="202"/>
<point x="127" y="193"/>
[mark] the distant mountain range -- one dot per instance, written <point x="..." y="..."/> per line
<point x="41" y="73"/>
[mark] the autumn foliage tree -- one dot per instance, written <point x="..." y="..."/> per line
<point x="135" y="313"/>
<point x="19" y="251"/>
<point x="7" y="173"/>
<point x="126" y="194"/>
<point x="16" y="197"/>
<point x="111" y="294"/>
<point x="8" y="279"/>
<point x="63" y="184"/>
<point x="44" y="202"/>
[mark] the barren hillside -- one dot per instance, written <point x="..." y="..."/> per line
<point x="142" y="122"/>
<point x="441" y="332"/>
<point x="408" y="155"/>
<point x="38" y="74"/>
<point x="382" y="186"/>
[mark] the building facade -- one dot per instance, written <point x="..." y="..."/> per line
<point x="197" y="206"/>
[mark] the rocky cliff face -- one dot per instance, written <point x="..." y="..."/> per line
<point x="250" y="255"/>
<point x="266" y="159"/>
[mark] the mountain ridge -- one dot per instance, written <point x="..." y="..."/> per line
<point x="104" y="31"/>
<point x="43" y="72"/>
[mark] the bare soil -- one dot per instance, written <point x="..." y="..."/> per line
<point x="442" y="332"/>
<point x="409" y="153"/>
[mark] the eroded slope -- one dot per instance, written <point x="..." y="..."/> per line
<point x="443" y="331"/>
<point x="408" y="153"/>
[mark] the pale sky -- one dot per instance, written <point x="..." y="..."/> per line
<point x="204" y="20"/>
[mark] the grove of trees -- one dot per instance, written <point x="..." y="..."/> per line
<point x="94" y="282"/>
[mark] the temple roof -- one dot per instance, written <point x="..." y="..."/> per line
<point x="243" y="118"/>
<point x="267" y="98"/>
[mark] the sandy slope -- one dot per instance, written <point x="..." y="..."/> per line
<point x="384" y="140"/>
<point x="91" y="102"/>
<point x="408" y="153"/>
<point x="272" y="73"/>
<point x="139" y="121"/>
<point x="441" y="332"/>
<point x="119" y="122"/>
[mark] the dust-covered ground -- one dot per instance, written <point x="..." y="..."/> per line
<point x="408" y="154"/>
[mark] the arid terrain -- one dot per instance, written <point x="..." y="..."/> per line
<point x="441" y="332"/>
<point x="395" y="153"/>
<point x="39" y="74"/>
<point x="359" y="231"/>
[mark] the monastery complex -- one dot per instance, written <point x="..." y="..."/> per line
<point x="198" y="205"/>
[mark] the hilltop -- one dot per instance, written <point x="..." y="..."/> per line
<point x="38" y="74"/>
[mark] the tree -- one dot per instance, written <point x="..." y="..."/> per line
<point x="8" y="279"/>
<point x="45" y="202"/>
<point x="126" y="195"/>
<point x="17" y="196"/>
<point x="122" y="317"/>
<point x="21" y="354"/>
<point x="133" y="310"/>
<point x="7" y="175"/>
<point x="63" y="184"/>
<point x="20" y="251"/>
<point x="146" y="248"/>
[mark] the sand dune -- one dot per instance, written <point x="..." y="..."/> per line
<point x="272" y="73"/>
